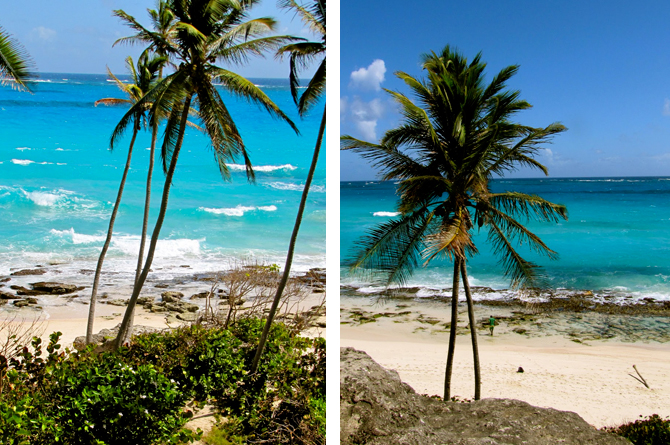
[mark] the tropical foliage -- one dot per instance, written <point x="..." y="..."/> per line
<point x="455" y="137"/>
<point x="15" y="64"/>
<point x="137" y="394"/>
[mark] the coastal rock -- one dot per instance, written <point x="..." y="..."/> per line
<point x="21" y="303"/>
<point x="171" y="297"/>
<point x="23" y="272"/>
<point x="200" y="295"/>
<point x="377" y="408"/>
<point x="6" y="296"/>
<point x="55" y="288"/>
<point x="116" y="302"/>
<point x="4" y="280"/>
<point x="188" y="316"/>
<point x="3" y="302"/>
<point x="105" y="338"/>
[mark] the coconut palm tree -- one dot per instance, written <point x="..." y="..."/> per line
<point x="163" y="22"/>
<point x="142" y="80"/>
<point x="15" y="64"/>
<point x="455" y="137"/>
<point x="207" y="31"/>
<point x="300" y="54"/>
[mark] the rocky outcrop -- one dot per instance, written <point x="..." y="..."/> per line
<point x="46" y="288"/>
<point x="377" y="408"/>
<point x="24" y="272"/>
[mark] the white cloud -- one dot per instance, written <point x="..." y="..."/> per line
<point x="45" y="34"/>
<point x="369" y="78"/>
<point x="365" y="116"/>
<point x="666" y="107"/>
<point x="343" y="107"/>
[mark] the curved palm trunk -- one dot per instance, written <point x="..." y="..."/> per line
<point x="291" y="247"/>
<point x="127" y="318"/>
<point x="101" y="259"/>
<point x="473" y="329"/>
<point x="452" y="331"/>
<point x="145" y="221"/>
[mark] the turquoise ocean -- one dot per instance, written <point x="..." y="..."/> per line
<point x="616" y="242"/>
<point x="58" y="184"/>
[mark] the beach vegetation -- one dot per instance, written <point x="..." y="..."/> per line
<point x="206" y="32"/>
<point x="456" y="134"/>
<point x="146" y="391"/>
<point x="300" y="54"/>
<point x="650" y="430"/>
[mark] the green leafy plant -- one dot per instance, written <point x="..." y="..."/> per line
<point x="652" y="430"/>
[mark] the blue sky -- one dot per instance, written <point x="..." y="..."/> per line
<point x="76" y="36"/>
<point x="600" y="68"/>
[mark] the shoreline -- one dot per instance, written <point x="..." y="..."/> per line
<point x="572" y="361"/>
<point x="68" y="312"/>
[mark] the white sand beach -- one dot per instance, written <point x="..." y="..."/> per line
<point x="587" y="377"/>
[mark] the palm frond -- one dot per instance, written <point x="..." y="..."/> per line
<point x="15" y="63"/>
<point x="245" y="89"/>
<point x="314" y="89"/>
<point x="524" y="205"/>
<point x="393" y="249"/>
<point x="522" y="273"/>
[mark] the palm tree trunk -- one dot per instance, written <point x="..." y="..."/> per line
<point x="291" y="247"/>
<point x="123" y="331"/>
<point x="452" y="331"/>
<point x="108" y="240"/>
<point x="473" y="329"/>
<point x="145" y="221"/>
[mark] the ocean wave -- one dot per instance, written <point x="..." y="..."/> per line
<point x="295" y="187"/>
<point x="78" y="238"/>
<point x="386" y="214"/>
<point x="262" y="168"/>
<point x="239" y="210"/>
<point x="22" y="161"/>
<point x="44" y="199"/>
<point x="23" y="148"/>
<point x="165" y="248"/>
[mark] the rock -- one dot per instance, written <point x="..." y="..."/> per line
<point x="116" y="302"/>
<point x="31" y="300"/>
<point x="3" y="302"/>
<point x="200" y="295"/>
<point x="4" y="280"/>
<point x="182" y="307"/>
<point x="377" y="408"/>
<point x="105" y="338"/>
<point x="188" y="316"/>
<point x="6" y="296"/>
<point x="162" y="286"/>
<point x="145" y="300"/>
<point x="55" y="288"/>
<point x="158" y="309"/>
<point x="21" y="303"/>
<point x="20" y="290"/>
<point x="29" y="272"/>
<point x="171" y="297"/>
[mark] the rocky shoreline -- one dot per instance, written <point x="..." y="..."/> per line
<point x="575" y="316"/>
<point x="180" y="300"/>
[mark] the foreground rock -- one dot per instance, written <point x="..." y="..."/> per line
<point x="377" y="408"/>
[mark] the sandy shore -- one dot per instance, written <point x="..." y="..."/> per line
<point x="567" y="366"/>
<point x="69" y="313"/>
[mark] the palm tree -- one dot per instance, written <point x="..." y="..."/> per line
<point x="300" y="53"/>
<point x="163" y="22"/>
<point x="207" y="31"/>
<point x="456" y="137"/>
<point x="15" y="64"/>
<point x="143" y="79"/>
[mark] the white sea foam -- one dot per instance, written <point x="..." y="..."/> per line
<point x="165" y="248"/>
<point x="262" y="168"/>
<point x="386" y="214"/>
<point x="295" y="187"/>
<point x="59" y="149"/>
<point x="239" y="210"/>
<point x="78" y="238"/>
<point x="61" y="163"/>
<point x="43" y="198"/>
<point x="22" y="161"/>
<point x="23" y="148"/>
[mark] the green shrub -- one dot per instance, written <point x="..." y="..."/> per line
<point x="653" y="430"/>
